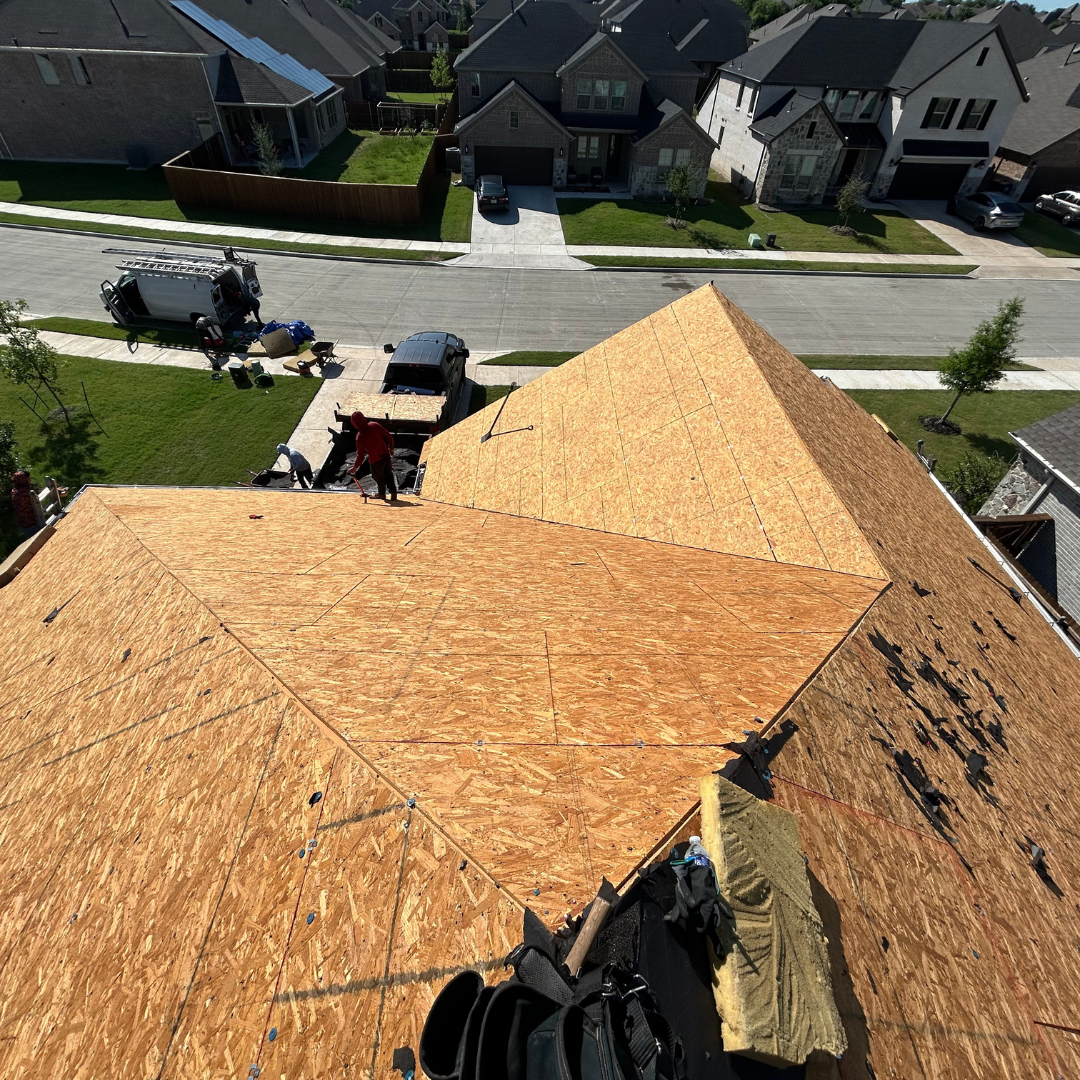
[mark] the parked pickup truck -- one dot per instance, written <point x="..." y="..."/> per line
<point x="419" y="395"/>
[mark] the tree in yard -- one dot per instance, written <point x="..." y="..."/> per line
<point x="9" y="457"/>
<point x="764" y="11"/>
<point x="266" y="150"/>
<point x="973" y="478"/>
<point x="849" y="201"/>
<point x="24" y="358"/>
<point x="442" y="76"/>
<point x="980" y="365"/>
<point x="682" y="186"/>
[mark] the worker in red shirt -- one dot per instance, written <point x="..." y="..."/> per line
<point x="375" y="443"/>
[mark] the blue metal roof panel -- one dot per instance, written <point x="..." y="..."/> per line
<point x="257" y="50"/>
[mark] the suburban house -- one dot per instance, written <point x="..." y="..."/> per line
<point x="1035" y="511"/>
<point x="68" y="74"/>
<point x="916" y="107"/>
<point x="1023" y="32"/>
<point x="414" y="24"/>
<point x="707" y="32"/>
<point x="796" y="16"/>
<point x="489" y="14"/>
<point x="1040" y="151"/>
<point x="548" y="98"/>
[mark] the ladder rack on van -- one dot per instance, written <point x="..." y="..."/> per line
<point x="169" y="261"/>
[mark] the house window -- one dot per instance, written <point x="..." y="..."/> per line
<point x="982" y="57"/>
<point x="513" y="119"/>
<point x="48" y="72"/>
<point x="618" y="96"/>
<point x="869" y="105"/>
<point x="475" y="88"/>
<point x="720" y="135"/>
<point x="588" y="147"/>
<point x="682" y="157"/>
<point x="601" y="92"/>
<point x="753" y="101"/>
<point x="738" y="100"/>
<point x="939" y="112"/>
<point x="797" y="173"/>
<point x="976" y="114"/>
<point x="584" y="93"/>
<point x="811" y="128"/>
<point x="78" y="70"/>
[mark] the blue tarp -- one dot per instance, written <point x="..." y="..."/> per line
<point x="298" y="331"/>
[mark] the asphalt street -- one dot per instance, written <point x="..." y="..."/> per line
<point x="370" y="303"/>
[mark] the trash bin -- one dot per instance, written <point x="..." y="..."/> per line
<point x="256" y="369"/>
<point x="238" y="374"/>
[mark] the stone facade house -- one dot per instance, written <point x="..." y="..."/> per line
<point x="114" y="81"/>
<point x="1034" y="513"/>
<point x="918" y="108"/>
<point x="1040" y="151"/>
<point x="548" y="98"/>
<point x="420" y="25"/>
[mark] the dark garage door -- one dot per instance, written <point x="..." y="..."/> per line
<point x="914" y="180"/>
<point x="516" y="164"/>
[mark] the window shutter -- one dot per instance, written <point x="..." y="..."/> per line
<point x="986" y="115"/>
<point x="966" y="113"/>
<point x="929" y="112"/>
<point x="949" y="115"/>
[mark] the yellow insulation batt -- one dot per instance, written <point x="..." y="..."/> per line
<point x="773" y="990"/>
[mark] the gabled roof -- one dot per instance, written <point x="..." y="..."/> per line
<point x="590" y="46"/>
<point x="656" y="115"/>
<point x="796" y="17"/>
<point x="1052" y="80"/>
<point x="512" y="87"/>
<point x="861" y="54"/>
<point x="1056" y="442"/>
<point x="655" y="54"/>
<point x="241" y="81"/>
<point x="787" y="110"/>
<point x="1023" y="32"/>
<point x="539" y="36"/>
<point x="709" y="31"/>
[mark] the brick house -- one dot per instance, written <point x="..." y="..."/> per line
<point x="420" y="25"/>
<point x="115" y="81"/>
<point x="918" y="108"/>
<point x="1040" y="151"/>
<point x="1035" y="511"/>
<point x="549" y="98"/>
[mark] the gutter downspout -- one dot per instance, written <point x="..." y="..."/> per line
<point x="1038" y="496"/>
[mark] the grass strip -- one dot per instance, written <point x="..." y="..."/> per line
<point x="180" y="339"/>
<point x="787" y="265"/>
<point x="241" y="242"/>
<point x="482" y="396"/>
<point x="530" y="358"/>
<point x="881" y="363"/>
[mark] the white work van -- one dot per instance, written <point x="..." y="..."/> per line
<point x="167" y="286"/>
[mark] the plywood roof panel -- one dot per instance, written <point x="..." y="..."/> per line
<point x="668" y="430"/>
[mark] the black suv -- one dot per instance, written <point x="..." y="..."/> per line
<point x="431" y="363"/>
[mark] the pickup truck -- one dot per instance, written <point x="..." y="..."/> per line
<point x="419" y="395"/>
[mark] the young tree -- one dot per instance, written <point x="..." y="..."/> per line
<point x="979" y="366"/>
<point x="442" y="75"/>
<point x="681" y="185"/>
<point x="849" y="199"/>
<point x="9" y="457"/>
<point x="24" y="358"/>
<point x="266" y="150"/>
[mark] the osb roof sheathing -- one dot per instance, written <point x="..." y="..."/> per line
<point x="667" y="430"/>
<point x="952" y="956"/>
<point x="211" y="746"/>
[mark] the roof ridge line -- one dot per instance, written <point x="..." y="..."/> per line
<point x="323" y="725"/>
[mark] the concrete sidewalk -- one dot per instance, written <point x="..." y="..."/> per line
<point x="51" y="215"/>
<point x="929" y="380"/>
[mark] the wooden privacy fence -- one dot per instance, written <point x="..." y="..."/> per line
<point x="196" y="186"/>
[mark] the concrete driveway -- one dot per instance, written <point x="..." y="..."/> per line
<point x="960" y="234"/>
<point x="529" y="234"/>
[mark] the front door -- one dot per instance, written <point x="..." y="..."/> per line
<point x="613" y="153"/>
<point x="847" y="167"/>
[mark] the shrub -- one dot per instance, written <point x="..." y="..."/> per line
<point x="973" y="478"/>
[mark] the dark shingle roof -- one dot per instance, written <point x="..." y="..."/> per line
<point x="100" y="24"/>
<point x="716" y="28"/>
<point x="242" y="81"/>
<point x="782" y="113"/>
<point x="1048" y="117"/>
<point x="654" y="54"/>
<point x="859" y="54"/>
<point x="796" y="17"/>
<point x="1023" y="33"/>
<point x="539" y="36"/>
<point x="653" y="115"/>
<point x="1057" y="441"/>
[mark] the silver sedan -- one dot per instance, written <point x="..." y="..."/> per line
<point x="988" y="210"/>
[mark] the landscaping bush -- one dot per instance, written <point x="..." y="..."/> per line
<point x="973" y="478"/>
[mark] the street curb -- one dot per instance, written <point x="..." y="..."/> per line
<point x="972" y="275"/>
<point x="219" y="246"/>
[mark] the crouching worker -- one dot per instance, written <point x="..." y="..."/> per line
<point x="377" y="444"/>
<point x="299" y="466"/>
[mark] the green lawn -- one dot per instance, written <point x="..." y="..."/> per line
<point x="365" y="157"/>
<point x="780" y="267"/>
<point x="482" y="396"/>
<point x="183" y="339"/>
<point x="986" y="419"/>
<point x="165" y="425"/>
<point x="112" y="189"/>
<point x="878" y="363"/>
<point x="531" y="358"/>
<point x="1048" y="235"/>
<point x="429" y="97"/>
<point x="728" y="219"/>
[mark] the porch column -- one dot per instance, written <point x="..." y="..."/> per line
<point x="292" y="133"/>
